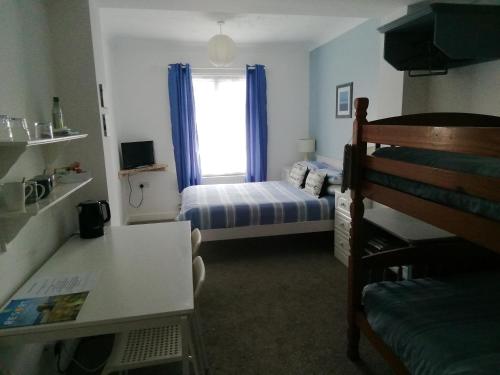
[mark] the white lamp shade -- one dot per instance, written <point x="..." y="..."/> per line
<point x="306" y="145"/>
<point x="221" y="50"/>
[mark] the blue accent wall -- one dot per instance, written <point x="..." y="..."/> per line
<point x="351" y="57"/>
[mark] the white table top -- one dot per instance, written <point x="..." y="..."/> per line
<point x="403" y="226"/>
<point x="145" y="277"/>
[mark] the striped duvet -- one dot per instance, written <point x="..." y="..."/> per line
<point x="258" y="203"/>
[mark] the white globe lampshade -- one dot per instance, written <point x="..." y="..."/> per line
<point x="221" y="50"/>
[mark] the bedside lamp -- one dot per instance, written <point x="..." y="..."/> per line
<point x="305" y="146"/>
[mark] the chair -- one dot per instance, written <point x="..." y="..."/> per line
<point x="195" y="241"/>
<point x="165" y="344"/>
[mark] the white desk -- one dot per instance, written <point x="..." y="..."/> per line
<point x="145" y="278"/>
<point x="403" y="226"/>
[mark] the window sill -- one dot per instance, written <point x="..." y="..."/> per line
<point x="224" y="179"/>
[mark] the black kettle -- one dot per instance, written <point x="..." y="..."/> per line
<point x="92" y="219"/>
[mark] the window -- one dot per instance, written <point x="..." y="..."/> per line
<point x="220" y="118"/>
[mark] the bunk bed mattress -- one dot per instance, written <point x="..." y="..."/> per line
<point x="439" y="327"/>
<point x="257" y="203"/>
<point x="483" y="166"/>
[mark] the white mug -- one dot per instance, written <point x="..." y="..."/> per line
<point x="15" y="194"/>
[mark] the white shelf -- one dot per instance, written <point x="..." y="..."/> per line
<point x="60" y="192"/>
<point x="44" y="141"/>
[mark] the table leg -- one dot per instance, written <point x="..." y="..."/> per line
<point x="201" y="344"/>
<point x="185" y="345"/>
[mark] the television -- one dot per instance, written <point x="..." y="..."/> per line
<point x="137" y="154"/>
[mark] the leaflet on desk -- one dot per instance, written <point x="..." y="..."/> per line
<point x="48" y="299"/>
<point x="42" y="310"/>
<point x="48" y="286"/>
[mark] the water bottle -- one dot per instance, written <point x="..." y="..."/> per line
<point x="57" y="115"/>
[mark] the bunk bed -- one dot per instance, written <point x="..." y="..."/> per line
<point x="433" y="167"/>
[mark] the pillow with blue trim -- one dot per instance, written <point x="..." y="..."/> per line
<point x="314" y="182"/>
<point x="333" y="175"/>
<point x="297" y="174"/>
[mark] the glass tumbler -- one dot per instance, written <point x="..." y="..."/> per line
<point x="5" y="128"/>
<point x="20" y="131"/>
<point x="43" y="130"/>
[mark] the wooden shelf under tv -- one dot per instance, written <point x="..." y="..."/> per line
<point x="149" y="168"/>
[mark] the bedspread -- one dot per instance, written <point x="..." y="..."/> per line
<point x="258" y="203"/>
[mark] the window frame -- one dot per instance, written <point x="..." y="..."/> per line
<point x="211" y="73"/>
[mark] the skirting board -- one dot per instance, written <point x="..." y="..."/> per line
<point x="267" y="230"/>
<point x="155" y="216"/>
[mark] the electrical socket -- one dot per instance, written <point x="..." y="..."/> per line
<point x="144" y="185"/>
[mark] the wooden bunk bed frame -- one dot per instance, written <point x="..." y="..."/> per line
<point x="455" y="132"/>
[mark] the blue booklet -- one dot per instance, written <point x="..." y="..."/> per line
<point x="42" y="310"/>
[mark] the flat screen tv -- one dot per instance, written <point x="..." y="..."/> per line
<point x="137" y="154"/>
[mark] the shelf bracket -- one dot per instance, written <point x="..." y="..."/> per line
<point x="8" y="157"/>
<point x="53" y="153"/>
<point x="3" y="243"/>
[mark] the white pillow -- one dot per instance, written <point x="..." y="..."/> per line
<point x="314" y="182"/>
<point x="331" y="190"/>
<point x="334" y="179"/>
<point x="297" y="174"/>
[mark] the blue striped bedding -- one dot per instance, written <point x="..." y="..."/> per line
<point x="258" y="203"/>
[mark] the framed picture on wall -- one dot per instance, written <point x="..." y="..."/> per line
<point x="344" y="101"/>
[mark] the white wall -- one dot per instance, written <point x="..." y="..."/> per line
<point x="110" y="141"/>
<point x="140" y="104"/>
<point x="474" y="89"/>
<point x="26" y="90"/>
<point x="46" y="52"/>
<point x="72" y="51"/>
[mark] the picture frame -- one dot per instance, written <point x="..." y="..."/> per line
<point x="343" y="102"/>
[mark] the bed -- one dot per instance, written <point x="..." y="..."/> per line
<point x="227" y="211"/>
<point x="443" y="169"/>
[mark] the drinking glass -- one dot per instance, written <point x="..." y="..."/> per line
<point x="5" y="128"/>
<point x="20" y="131"/>
<point x="43" y="130"/>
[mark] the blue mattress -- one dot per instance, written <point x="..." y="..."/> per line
<point x="258" y="203"/>
<point x="483" y="166"/>
<point x="439" y="327"/>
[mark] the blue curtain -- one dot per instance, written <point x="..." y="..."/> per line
<point x="256" y="124"/>
<point x="182" y="117"/>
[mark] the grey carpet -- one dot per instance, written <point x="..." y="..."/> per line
<point x="272" y="305"/>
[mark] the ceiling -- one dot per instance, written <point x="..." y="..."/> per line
<point x="185" y="26"/>
<point x="332" y="8"/>
<point x="312" y="22"/>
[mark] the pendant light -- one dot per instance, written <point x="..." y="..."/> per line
<point x="221" y="49"/>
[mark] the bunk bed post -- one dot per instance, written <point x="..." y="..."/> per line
<point x="357" y="210"/>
